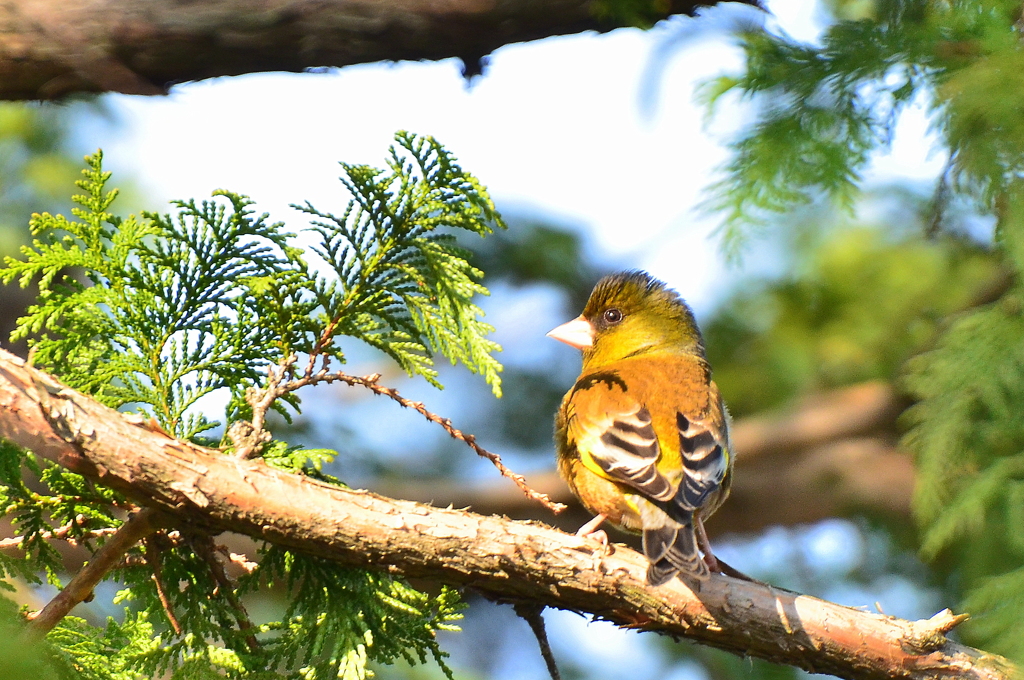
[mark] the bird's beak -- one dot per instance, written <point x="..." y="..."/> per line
<point x="578" y="333"/>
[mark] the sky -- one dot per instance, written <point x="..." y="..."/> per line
<point x="580" y="130"/>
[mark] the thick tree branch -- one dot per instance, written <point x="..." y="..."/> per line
<point x="51" y="48"/>
<point x="504" y="559"/>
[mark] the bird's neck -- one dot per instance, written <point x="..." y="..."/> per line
<point x="596" y="358"/>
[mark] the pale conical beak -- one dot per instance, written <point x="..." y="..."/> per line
<point x="578" y="333"/>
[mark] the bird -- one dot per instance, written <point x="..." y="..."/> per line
<point x="642" y="437"/>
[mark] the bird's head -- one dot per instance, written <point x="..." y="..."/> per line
<point x="628" y="314"/>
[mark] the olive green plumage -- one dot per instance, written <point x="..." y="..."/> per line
<point x="642" y="437"/>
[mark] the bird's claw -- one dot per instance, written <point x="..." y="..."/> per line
<point x="590" y="530"/>
<point x="601" y="537"/>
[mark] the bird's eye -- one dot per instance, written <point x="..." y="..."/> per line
<point x="612" y="316"/>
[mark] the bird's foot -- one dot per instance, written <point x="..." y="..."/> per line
<point x="737" y="574"/>
<point x="600" y="536"/>
<point x="590" y="530"/>
<point x="604" y="551"/>
<point x="715" y="565"/>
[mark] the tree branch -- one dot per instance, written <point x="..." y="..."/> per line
<point x="106" y="558"/>
<point x="503" y="559"/>
<point x="154" y="561"/>
<point x="533" y="615"/>
<point x="51" y="48"/>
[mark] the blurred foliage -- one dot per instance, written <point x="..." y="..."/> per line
<point x="532" y="251"/>
<point x="36" y="169"/>
<point x="820" y="111"/>
<point x="529" y="253"/>
<point x="855" y="302"/>
<point x="823" y="109"/>
<point x="22" y="661"/>
<point x="36" y="166"/>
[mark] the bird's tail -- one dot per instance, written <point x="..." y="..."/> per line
<point x="672" y="549"/>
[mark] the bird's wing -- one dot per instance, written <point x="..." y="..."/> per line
<point x="616" y="439"/>
<point x="704" y="448"/>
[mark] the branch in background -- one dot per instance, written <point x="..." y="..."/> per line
<point x="829" y="455"/>
<point x="53" y="48"/>
<point x="249" y="437"/>
<point x="500" y="558"/>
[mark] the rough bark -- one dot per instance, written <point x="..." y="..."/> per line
<point x="504" y="559"/>
<point x="51" y="48"/>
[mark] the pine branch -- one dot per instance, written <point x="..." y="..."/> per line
<point x="500" y="558"/>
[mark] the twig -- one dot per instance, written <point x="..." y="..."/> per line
<point x="16" y="542"/>
<point x="249" y="437"/>
<point x="370" y="383"/>
<point x="106" y="558"/>
<point x="243" y="561"/>
<point x="152" y="551"/>
<point x="531" y="613"/>
<point x="204" y="547"/>
<point x="248" y="441"/>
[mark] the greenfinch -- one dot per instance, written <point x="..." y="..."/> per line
<point x="642" y="438"/>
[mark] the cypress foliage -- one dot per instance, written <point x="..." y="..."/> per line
<point x="821" y="110"/>
<point x="152" y="313"/>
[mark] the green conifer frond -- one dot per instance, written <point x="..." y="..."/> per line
<point x="965" y="433"/>
<point x="969" y="444"/>
<point x="403" y="285"/>
<point x="79" y="650"/>
<point x="156" y="312"/>
<point x="998" y="601"/>
<point x="822" y="109"/>
<point x="323" y="635"/>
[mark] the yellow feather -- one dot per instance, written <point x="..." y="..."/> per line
<point x="642" y="437"/>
